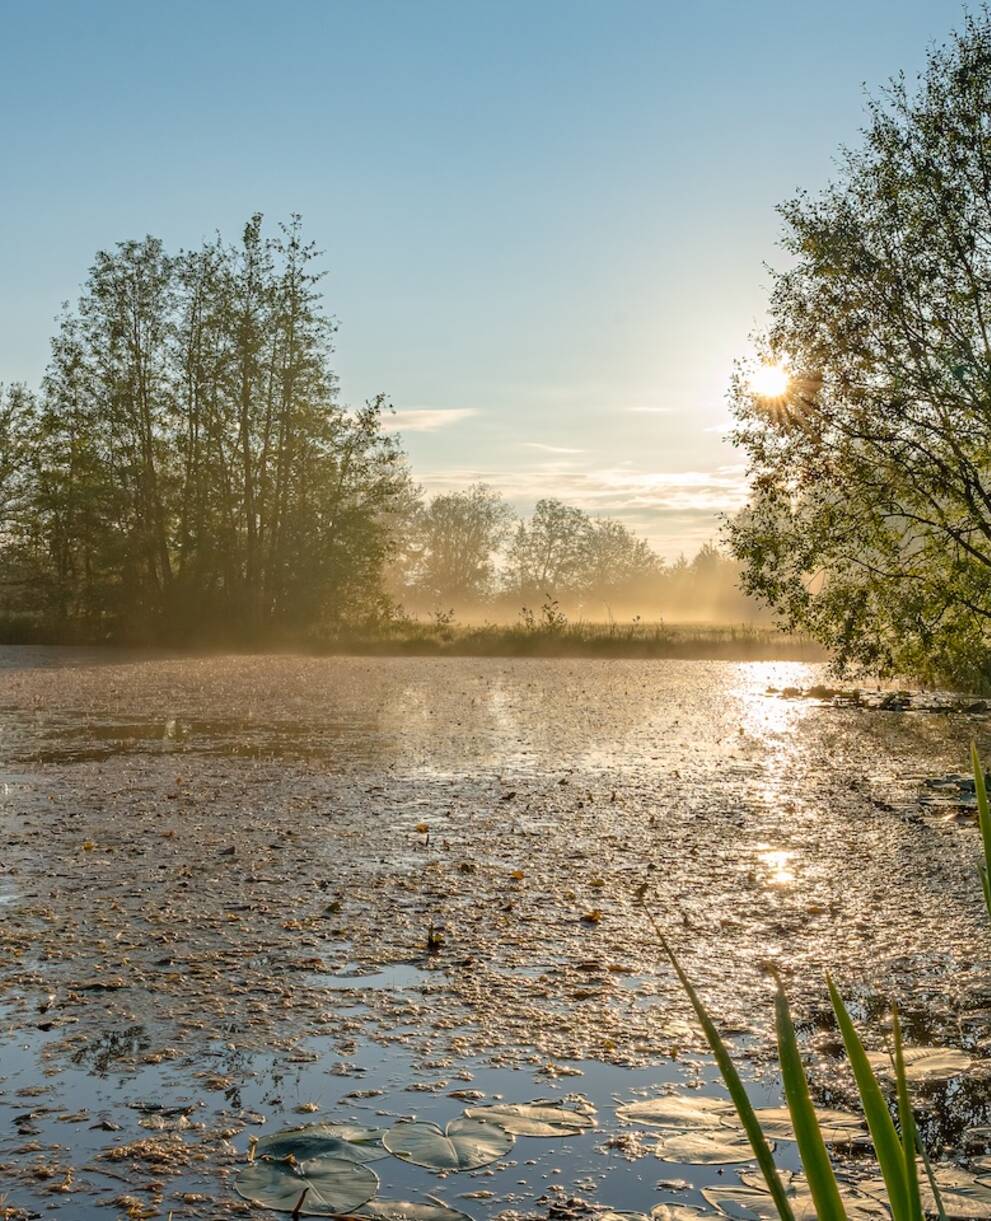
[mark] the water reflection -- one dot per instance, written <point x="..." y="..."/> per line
<point x="777" y="863"/>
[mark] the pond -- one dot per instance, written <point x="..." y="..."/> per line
<point x="241" y="893"/>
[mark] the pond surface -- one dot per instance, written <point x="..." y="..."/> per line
<point x="219" y="877"/>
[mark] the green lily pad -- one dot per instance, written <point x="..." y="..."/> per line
<point x="332" y="1185"/>
<point x="925" y="1064"/>
<point x="348" y="1141"/>
<point x="718" y="1147"/>
<point x="533" y="1119"/>
<point x="679" y="1111"/>
<point x="836" y="1126"/>
<point x="411" y="1210"/>
<point x="465" y="1144"/>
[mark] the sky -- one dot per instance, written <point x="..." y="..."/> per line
<point x="546" y="223"/>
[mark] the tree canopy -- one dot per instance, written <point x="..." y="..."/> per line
<point x="870" y="520"/>
<point x="187" y="461"/>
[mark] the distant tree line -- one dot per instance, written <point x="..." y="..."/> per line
<point x="468" y="552"/>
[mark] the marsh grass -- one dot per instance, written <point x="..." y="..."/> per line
<point x="537" y="637"/>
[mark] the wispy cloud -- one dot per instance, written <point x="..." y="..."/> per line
<point x="426" y="419"/>
<point x="619" y="491"/>
<point x="550" y="449"/>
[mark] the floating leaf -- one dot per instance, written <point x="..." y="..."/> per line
<point x="332" y="1185"/>
<point x="836" y="1126"/>
<point x="348" y="1141"/>
<point x="718" y="1147"/>
<point x="533" y="1119"/>
<point x="411" y="1210"/>
<point x="677" y="1111"/>
<point x="465" y="1144"/>
<point x="925" y="1064"/>
<point x="755" y="1203"/>
<point x="675" y="1212"/>
<point x="964" y="1196"/>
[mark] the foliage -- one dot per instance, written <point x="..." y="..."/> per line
<point x="870" y="521"/>
<point x="533" y="1119"/>
<point x="319" y="1186"/>
<point x="465" y="1144"/>
<point x="562" y="550"/>
<point x="187" y="462"/>
<point x="455" y="539"/>
<point x="459" y="554"/>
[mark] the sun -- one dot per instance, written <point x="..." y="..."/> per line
<point x="770" y="382"/>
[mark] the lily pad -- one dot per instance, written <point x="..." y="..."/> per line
<point x="332" y="1185"/>
<point x="717" y="1147"/>
<point x="676" y="1212"/>
<point x="757" y="1204"/>
<point x="679" y="1111"/>
<point x="925" y="1064"/>
<point x="348" y="1141"/>
<point x="411" y="1210"/>
<point x="533" y="1119"/>
<point x="964" y="1196"/>
<point x="465" y="1144"/>
<point x="837" y="1127"/>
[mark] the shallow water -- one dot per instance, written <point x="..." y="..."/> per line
<point x="215" y="891"/>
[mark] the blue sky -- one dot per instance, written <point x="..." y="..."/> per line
<point x="545" y="221"/>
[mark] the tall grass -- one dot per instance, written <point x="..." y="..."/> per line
<point x="571" y="638"/>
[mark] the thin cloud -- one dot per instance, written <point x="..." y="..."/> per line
<point x="551" y="449"/>
<point x="619" y="490"/>
<point x="426" y="419"/>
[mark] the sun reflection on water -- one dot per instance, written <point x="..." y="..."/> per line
<point x="777" y="862"/>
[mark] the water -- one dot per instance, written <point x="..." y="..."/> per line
<point x="217" y="892"/>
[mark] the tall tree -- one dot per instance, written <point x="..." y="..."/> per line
<point x="549" y="552"/>
<point x="192" y="464"/>
<point x="870" y="522"/>
<point x="458" y="537"/>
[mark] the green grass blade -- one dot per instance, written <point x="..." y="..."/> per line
<point x="734" y="1085"/>
<point x="907" y="1120"/>
<point x="887" y="1146"/>
<point x="811" y="1147"/>
<point x="921" y="1150"/>
<point x="984" y="821"/>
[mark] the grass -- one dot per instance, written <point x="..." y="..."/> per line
<point x="897" y="1148"/>
<point x="580" y="638"/>
<point x="543" y="635"/>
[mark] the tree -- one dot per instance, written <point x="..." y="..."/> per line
<point x="549" y="553"/>
<point x="457" y="537"/>
<point x="617" y="564"/>
<point x="191" y="465"/>
<point x="870" y="520"/>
